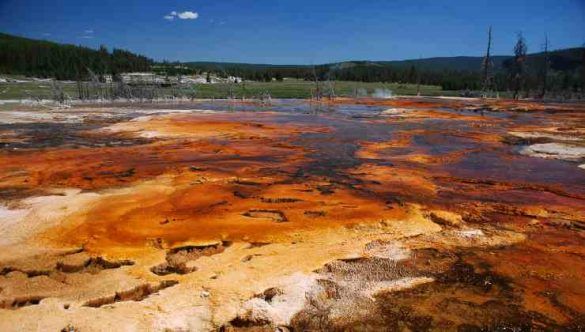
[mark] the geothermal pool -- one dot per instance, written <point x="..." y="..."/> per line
<point x="390" y="214"/>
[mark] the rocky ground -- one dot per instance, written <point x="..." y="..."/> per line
<point x="401" y="214"/>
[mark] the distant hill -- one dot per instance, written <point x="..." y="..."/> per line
<point x="459" y="63"/>
<point x="440" y="63"/>
<point x="564" y="59"/>
<point x="223" y="65"/>
<point x="566" y="71"/>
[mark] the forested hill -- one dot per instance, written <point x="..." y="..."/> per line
<point x="564" y="59"/>
<point x="23" y="56"/>
<point x="457" y="63"/>
<point x="565" y="69"/>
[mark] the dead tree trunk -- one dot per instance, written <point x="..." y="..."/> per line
<point x="317" y="92"/>
<point x="330" y="87"/>
<point x="520" y="51"/>
<point x="486" y="66"/>
<point x="544" y="68"/>
<point x="418" y="78"/>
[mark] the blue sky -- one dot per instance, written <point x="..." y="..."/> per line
<point x="299" y="31"/>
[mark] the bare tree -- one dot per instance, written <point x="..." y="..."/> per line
<point x="317" y="91"/>
<point x="583" y="70"/>
<point x="418" y="77"/>
<point x="94" y="85"/>
<point x="486" y="67"/>
<point x="330" y="86"/>
<point x="518" y="66"/>
<point x="58" y="92"/>
<point x="230" y="84"/>
<point x="544" y="68"/>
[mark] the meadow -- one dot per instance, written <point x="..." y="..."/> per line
<point x="285" y="89"/>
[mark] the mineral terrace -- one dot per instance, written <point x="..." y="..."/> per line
<point x="402" y="214"/>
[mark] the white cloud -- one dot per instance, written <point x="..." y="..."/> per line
<point x="188" y="15"/>
<point x="88" y="31"/>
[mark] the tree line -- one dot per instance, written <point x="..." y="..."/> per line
<point x="523" y="75"/>
<point x="23" y="56"/>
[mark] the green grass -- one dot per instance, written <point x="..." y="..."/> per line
<point x="303" y="89"/>
<point x="32" y="90"/>
<point x="285" y="89"/>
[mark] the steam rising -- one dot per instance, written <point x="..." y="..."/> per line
<point x="382" y="93"/>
